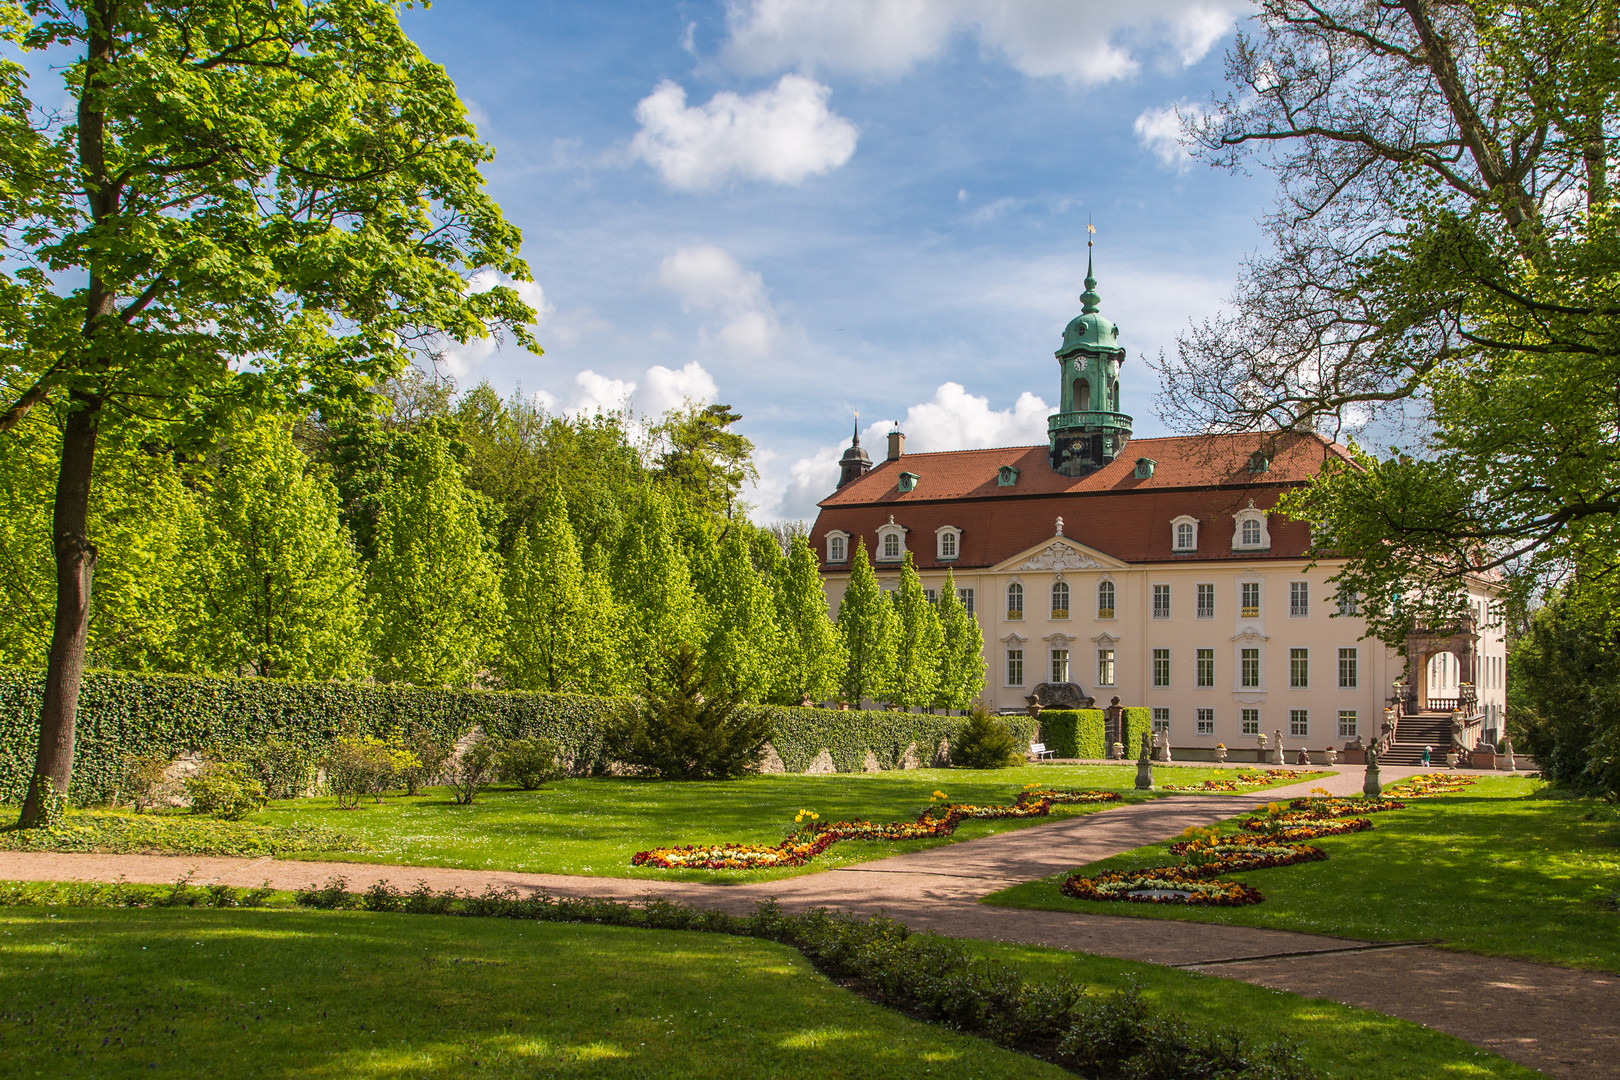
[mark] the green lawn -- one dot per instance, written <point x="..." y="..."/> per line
<point x="282" y="994"/>
<point x="1505" y="867"/>
<point x="594" y="826"/>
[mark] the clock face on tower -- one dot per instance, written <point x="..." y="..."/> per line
<point x="1077" y="444"/>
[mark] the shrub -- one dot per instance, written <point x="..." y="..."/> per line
<point x="691" y="726"/>
<point x="528" y="763"/>
<point x="283" y="766"/>
<point x="364" y="765"/>
<point x="432" y="750"/>
<point x="144" y="780"/>
<point x="985" y="742"/>
<point x="225" y="789"/>
<point x="472" y="769"/>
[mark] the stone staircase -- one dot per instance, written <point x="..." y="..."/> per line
<point x="1415" y="731"/>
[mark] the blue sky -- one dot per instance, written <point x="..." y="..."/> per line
<point x="806" y="207"/>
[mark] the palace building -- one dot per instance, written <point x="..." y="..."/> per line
<point x="1150" y="569"/>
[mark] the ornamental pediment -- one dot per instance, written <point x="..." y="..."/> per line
<point x="1060" y="554"/>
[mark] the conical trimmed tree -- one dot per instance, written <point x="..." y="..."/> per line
<point x="867" y="628"/>
<point x="653" y="582"/>
<point x="743" y="643"/>
<point x="914" y="676"/>
<point x="812" y="653"/>
<point x="961" y="656"/>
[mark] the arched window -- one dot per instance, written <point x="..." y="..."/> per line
<point x="891" y="546"/>
<point x="1015" y="601"/>
<point x="1251" y="532"/>
<point x="837" y="548"/>
<point x="1060" y="600"/>
<point x="1185" y="535"/>
<point x="947" y="541"/>
<point x="1105" y="600"/>
<point x="1082" y="395"/>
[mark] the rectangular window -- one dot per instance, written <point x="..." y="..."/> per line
<point x="1250" y="671"/>
<point x="966" y="596"/>
<point x="1161" y="668"/>
<point x="1161" y="601"/>
<point x="1349" y="662"/>
<point x="1105" y="667"/>
<point x="1251" y="600"/>
<point x="1161" y="721"/>
<point x="932" y="594"/>
<point x="1347" y="724"/>
<point x="1206" y="721"/>
<point x="1206" y="601"/>
<point x="1299" y="599"/>
<point x="1299" y="723"/>
<point x="1206" y="668"/>
<point x="1349" y="604"/>
<point x="1015" y="667"/>
<point x="1251" y="721"/>
<point x="1299" y="668"/>
<point x="1060" y="665"/>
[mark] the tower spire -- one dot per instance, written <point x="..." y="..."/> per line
<point x="1089" y="299"/>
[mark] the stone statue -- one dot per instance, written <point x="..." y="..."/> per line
<point x="1370" y="786"/>
<point x="1060" y="695"/>
<point x="1507" y="747"/>
<point x="1304" y="757"/>
<point x="1144" y="764"/>
<point x="1277" y="757"/>
<point x="1161" y="747"/>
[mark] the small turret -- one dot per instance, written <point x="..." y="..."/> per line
<point x="855" y="463"/>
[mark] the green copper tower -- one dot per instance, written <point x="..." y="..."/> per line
<point x="1088" y="431"/>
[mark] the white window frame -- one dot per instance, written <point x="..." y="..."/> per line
<point x="1299" y="723"/>
<point x="1113" y="596"/>
<point x="1353" y="729"/>
<point x="1107" y="667"/>
<point x="948" y="543"/>
<point x="1068" y="595"/>
<point x="1161" y="720"/>
<point x="1349" y="603"/>
<point x="1015" y="666"/>
<point x="1299" y="668"/>
<point x="1259" y="659"/>
<point x="967" y="599"/>
<point x="1015" y="592"/>
<point x="1299" y="599"/>
<point x="1188" y="522"/>
<point x="1161" y="675"/>
<point x="884" y="533"/>
<point x="1161" y="611"/>
<point x="1201" y="590"/>
<point x="1202" y="656"/>
<point x="1206" y="722"/>
<point x="1353" y="655"/>
<point x="838" y="546"/>
<point x="1249" y="514"/>
<point x="1258" y="607"/>
<point x="1060" y="664"/>
<point x="1249" y="721"/>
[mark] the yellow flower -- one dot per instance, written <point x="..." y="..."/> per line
<point x="815" y="817"/>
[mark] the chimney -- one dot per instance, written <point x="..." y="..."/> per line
<point x="897" y="444"/>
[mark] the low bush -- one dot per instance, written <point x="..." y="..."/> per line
<point x="284" y="767"/>
<point x="472" y="769"/>
<point x="690" y="725"/>
<point x="144" y="781"/>
<point x="112" y="832"/>
<point x="359" y="765"/>
<point x="985" y="743"/>
<point x="225" y="789"/>
<point x="432" y="750"/>
<point x="528" y="763"/>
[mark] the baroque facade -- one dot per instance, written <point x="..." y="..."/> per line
<point x="1150" y="569"/>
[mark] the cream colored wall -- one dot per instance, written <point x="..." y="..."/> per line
<point x="1274" y="632"/>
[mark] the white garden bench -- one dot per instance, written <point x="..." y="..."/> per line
<point x="1038" y="750"/>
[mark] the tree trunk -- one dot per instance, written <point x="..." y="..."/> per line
<point x="75" y="571"/>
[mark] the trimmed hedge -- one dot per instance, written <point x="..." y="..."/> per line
<point x="1081" y="733"/>
<point x="122" y="713"/>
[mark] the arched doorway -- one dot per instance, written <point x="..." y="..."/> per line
<point x="1440" y="668"/>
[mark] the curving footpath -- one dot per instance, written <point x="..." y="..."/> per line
<point x="1562" y="1021"/>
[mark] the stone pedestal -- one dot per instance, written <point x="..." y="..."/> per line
<point x="1144" y="765"/>
<point x="1370" y="784"/>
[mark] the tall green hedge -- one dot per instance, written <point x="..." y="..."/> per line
<point x="122" y="713"/>
<point x="1082" y="733"/>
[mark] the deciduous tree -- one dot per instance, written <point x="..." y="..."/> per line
<point x="914" y="676"/>
<point x="812" y="654"/>
<point x="868" y="631"/>
<point x="961" y="654"/>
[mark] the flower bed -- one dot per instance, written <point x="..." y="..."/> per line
<point x="1430" y="785"/>
<point x="1243" y="780"/>
<point x="797" y="850"/>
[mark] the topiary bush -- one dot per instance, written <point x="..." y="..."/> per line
<point x="690" y="725"/>
<point x="985" y="742"/>
<point x="225" y="789"/>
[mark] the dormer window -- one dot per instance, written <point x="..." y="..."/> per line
<point x="837" y="546"/>
<point x="1250" y="532"/>
<point x="1184" y="534"/>
<point x="891" y="541"/>
<point x="908" y="482"/>
<point x="948" y="541"/>
<point x="1007" y="476"/>
<point x="1144" y="468"/>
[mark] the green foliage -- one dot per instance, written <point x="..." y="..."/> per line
<point x="961" y="656"/>
<point x="282" y="590"/>
<point x="144" y="781"/>
<point x="812" y="657"/>
<point x="691" y="724"/>
<point x="528" y="763"/>
<point x="431" y="749"/>
<point x="702" y="459"/>
<point x="225" y="789"/>
<point x="869" y="631"/>
<point x="1075" y="733"/>
<point x="286" y="767"/>
<point x="359" y="765"/>
<point x="913" y="675"/>
<point x="1566" y="675"/>
<point x="743" y="644"/>
<point x="986" y="742"/>
<point x="798" y="735"/>
<point x="436" y="595"/>
<point x="111" y="832"/>
<point x="563" y="631"/>
<point x="473" y="767"/>
<point x="653" y="581"/>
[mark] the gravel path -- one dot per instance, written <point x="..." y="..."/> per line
<point x="1563" y="1021"/>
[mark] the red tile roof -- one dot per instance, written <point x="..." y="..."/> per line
<point x="1113" y="511"/>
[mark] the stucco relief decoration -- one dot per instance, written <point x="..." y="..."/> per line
<point x="1061" y="557"/>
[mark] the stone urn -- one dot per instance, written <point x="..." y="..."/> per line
<point x="1117" y="752"/>
<point x="1451" y="759"/>
<point x="1331" y="755"/>
<point x="1262" y="738"/>
<point x="1220" y="751"/>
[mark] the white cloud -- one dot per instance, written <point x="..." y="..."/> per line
<point x="782" y="134"/>
<point x="1079" y="41"/>
<point x="709" y="280"/>
<point x="657" y="391"/>
<point x="1160" y="131"/>
<point x="458" y="360"/>
<point x="663" y="389"/>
